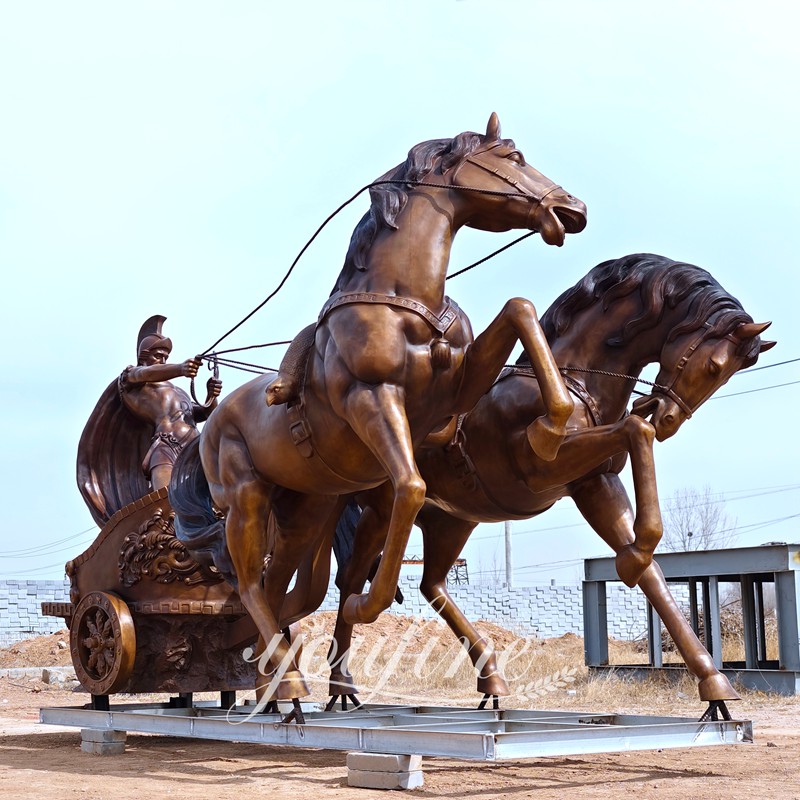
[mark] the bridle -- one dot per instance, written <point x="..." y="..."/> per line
<point x="478" y="159"/>
<point x="520" y="191"/>
<point x="660" y="388"/>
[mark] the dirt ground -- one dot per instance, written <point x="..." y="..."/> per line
<point x="42" y="762"/>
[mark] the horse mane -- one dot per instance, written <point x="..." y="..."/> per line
<point x="436" y="155"/>
<point x="662" y="285"/>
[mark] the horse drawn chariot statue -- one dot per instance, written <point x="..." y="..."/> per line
<point x="390" y="399"/>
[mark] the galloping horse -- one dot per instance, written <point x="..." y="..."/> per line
<point x="379" y="379"/>
<point x="622" y="316"/>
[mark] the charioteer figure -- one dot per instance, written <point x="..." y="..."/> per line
<point x="139" y="426"/>
<point x="146" y="391"/>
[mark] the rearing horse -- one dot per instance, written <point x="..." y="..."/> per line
<point x="623" y="315"/>
<point x="393" y="360"/>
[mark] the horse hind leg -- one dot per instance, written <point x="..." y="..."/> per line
<point x="246" y="534"/>
<point x="444" y="537"/>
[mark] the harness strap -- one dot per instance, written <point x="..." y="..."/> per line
<point x="439" y="322"/>
<point x="573" y="385"/>
<point x="464" y="468"/>
<point x="582" y="393"/>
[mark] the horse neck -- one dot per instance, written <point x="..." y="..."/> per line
<point x="412" y="260"/>
<point x="584" y="345"/>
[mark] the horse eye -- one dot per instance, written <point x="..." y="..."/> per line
<point x="516" y="157"/>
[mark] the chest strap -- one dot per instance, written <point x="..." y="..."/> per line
<point x="439" y="323"/>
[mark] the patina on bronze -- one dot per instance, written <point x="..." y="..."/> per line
<point x="393" y="360"/>
<point x="623" y="315"/>
<point x="139" y="425"/>
<point x="140" y="605"/>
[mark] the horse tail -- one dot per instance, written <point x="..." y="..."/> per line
<point x="343" y="543"/>
<point x="197" y="525"/>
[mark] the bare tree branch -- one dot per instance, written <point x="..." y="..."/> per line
<point x="695" y="519"/>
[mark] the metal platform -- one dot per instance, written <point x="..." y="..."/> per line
<point x="488" y="735"/>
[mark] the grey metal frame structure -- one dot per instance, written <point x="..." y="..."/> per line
<point x="752" y="567"/>
<point x="488" y="735"/>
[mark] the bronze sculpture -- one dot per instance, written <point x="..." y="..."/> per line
<point x="623" y="315"/>
<point x="139" y="604"/>
<point x="139" y="425"/>
<point x="393" y="360"/>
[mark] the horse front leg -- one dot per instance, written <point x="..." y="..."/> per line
<point x="605" y="506"/>
<point x="370" y="535"/>
<point x="377" y="415"/>
<point x="444" y="536"/>
<point x="304" y="527"/>
<point x="633" y="559"/>
<point x="587" y="449"/>
<point x="488" y="353"/>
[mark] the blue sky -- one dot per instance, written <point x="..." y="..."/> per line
<point x="173" y="158"/>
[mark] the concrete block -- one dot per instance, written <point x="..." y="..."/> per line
<point x="383" y="762"/>
<point x="103" y="748"/>
<point x="364" y="779"/>
<point x="93" y="735"/>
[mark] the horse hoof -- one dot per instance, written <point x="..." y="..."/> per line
<point x="545" y="438"/>
<point x="355" y="611"/>
<point x="292" y="685"/>
<point x="631" y="564"/>
<point x="341" y="683"/>
<point x="493" y="685"/>
<point x="717" y="687"/>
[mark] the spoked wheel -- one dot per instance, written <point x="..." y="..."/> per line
<point x="103" y="643"/>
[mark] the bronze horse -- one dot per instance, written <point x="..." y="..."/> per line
<point x="622" y="316"/>
<point x="393" y="360"/>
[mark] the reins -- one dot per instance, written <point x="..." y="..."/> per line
<point x="489" y="192"/>
<point x="658" y="387"/>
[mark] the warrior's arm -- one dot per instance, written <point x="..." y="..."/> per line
<point x="162" y="372"/>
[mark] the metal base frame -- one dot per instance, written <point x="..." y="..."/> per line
<point x="446" y="731"/>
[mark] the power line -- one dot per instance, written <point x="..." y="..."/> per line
<point x="768" y="490"/>
<point x="767" y="366"/>
<point x="39" y="549"/>
<point x="750" y="391"/>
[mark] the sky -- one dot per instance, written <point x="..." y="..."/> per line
<point x="173" y="159"/>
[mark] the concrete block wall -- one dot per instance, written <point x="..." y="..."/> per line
<point x="543" y="611"/>
<point x="21" y="609"/>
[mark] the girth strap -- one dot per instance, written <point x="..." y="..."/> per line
<point x="439" y="323"/>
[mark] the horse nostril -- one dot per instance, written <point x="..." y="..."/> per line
<point x="669" y="419"/>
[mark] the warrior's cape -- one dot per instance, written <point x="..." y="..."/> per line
<point x="110" y="454"/>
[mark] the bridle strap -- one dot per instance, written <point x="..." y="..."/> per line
<point x="679" y="367"/>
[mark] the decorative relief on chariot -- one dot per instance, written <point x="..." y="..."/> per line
<point x="153" y="552"/>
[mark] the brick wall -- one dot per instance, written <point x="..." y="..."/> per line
<point x="536" y="610"/>
<point x="21" y="610"/>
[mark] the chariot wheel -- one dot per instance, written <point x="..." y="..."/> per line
<point x="102" y="642"/>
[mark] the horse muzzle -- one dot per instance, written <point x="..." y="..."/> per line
<point x="556" y="215"/>
<point x="664" y="414"/>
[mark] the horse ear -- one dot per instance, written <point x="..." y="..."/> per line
<point x="493" y="128"/>
<point x="749" y="330"/>
<point x="768" y="345"/>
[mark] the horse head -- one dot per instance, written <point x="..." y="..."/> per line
<point x="497" y="165"/>
<point x="693" y="366"/>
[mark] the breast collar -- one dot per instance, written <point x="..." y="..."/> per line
<point x="439" y="322"/>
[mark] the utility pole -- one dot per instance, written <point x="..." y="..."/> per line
<point x="509" y="569"/>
